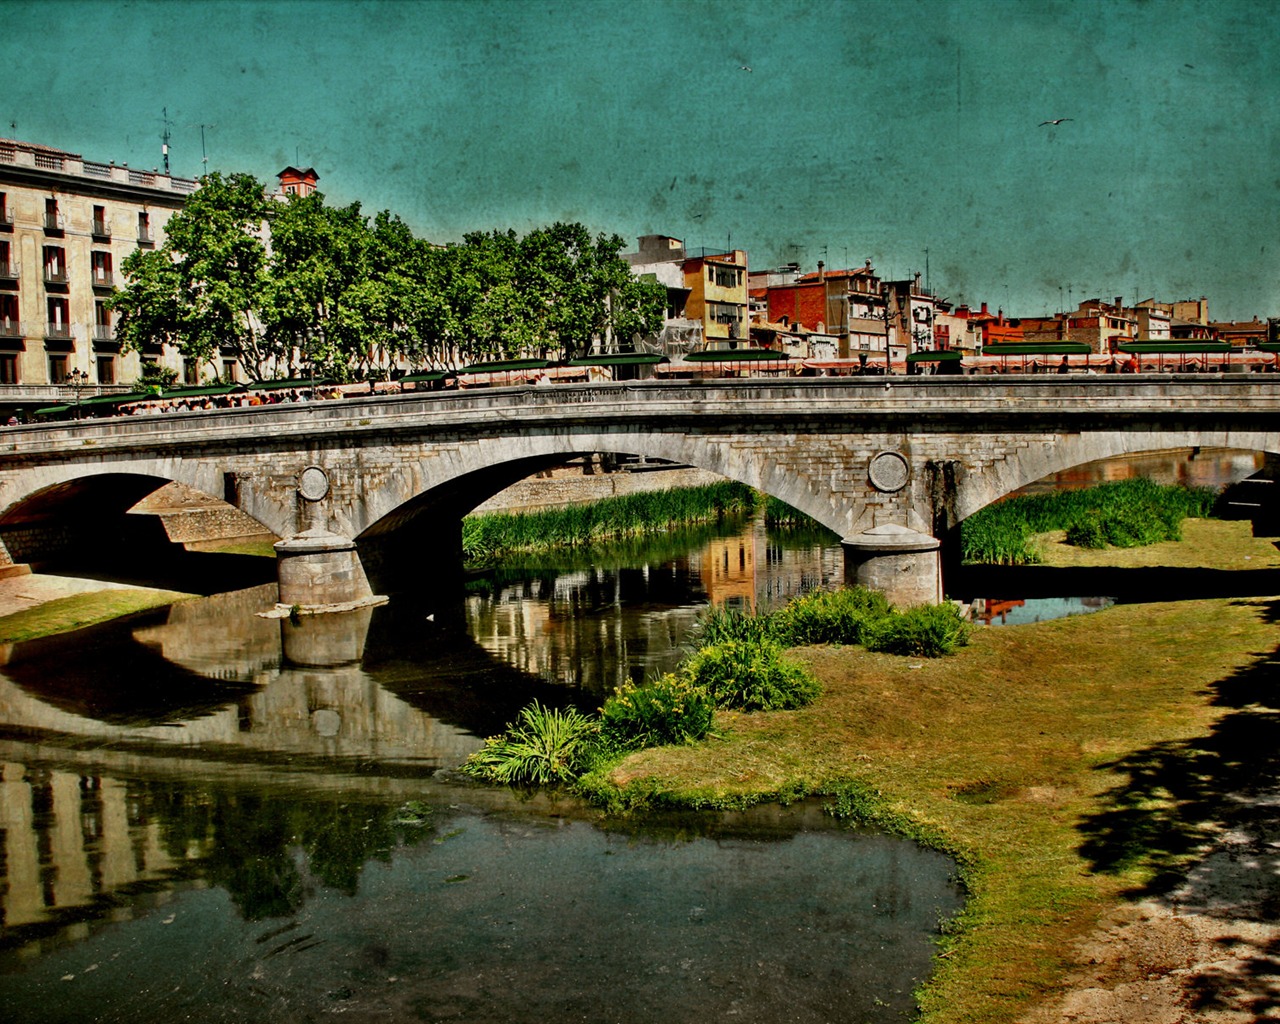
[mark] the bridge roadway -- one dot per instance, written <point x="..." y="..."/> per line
<point x="365" y="491"/>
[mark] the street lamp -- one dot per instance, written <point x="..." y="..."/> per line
<point x="77" y="380"/>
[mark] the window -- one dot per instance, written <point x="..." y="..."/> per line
<point x="6" y="218"/>
<point x="101" y="269"/>
<point x="52" y="219"/>
<point x="100" y="222"/>
<point x="725" y="277"/>
<point x="144" y="227"/>
<point x="59" y="322"/>
<point x="55" y="265"/>
<point x="8" y="368"/>
<point x="9" y="326"/>
<point x="6" y="270"/>
<point x="190" y="371"/>
<point x="106" y="370"/>
<point x="230" y="371"/>
<point x="57" y="369"/>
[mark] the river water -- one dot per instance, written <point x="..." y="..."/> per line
<point x="199" y="825"/>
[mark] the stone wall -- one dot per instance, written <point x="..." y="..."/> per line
<point x="572" y="487"/>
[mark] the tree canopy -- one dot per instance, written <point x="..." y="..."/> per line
<point x="283" y="285"/>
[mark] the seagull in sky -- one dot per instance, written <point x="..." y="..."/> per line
<point x="745" y="67"/>
<point x="1057" y="121"/>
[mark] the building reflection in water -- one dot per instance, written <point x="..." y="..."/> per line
<point x="600" y="627"/>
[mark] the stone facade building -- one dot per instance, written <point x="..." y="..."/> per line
<point x="66" y="225"/>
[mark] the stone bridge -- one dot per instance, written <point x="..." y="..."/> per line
<point x="366" y="492"/>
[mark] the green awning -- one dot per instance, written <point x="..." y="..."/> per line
<point x="204" y="392"/>
<point x="1037" y="348"/>
<point x="53" y="410"/>
<point x="426" y="377"/>
<point x="507" y="366"/>
<point x="948" y="356"/>
<point x="620" y="359"/>
<point x="303" y="382"/>
<point x="736" y="355"/>
<point x="1268" y="346"/>
<point x="1173" y="348"/>
<point x="116" y="399"/>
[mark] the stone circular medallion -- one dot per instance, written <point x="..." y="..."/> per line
<point x="889" y="472"/>
<point x="313" y="484"/>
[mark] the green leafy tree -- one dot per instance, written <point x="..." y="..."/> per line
<point x="202" y="291"/>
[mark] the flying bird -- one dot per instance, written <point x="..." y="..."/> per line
<point x="1057" y="121"/>
<point x="745" y="67"/>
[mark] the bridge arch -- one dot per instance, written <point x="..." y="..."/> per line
<point x="1071" y="450"/>
<point x="80" y="512"/>
<point x="454" y="482"/>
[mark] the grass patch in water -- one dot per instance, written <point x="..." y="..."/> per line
<point x="64" y="614"/>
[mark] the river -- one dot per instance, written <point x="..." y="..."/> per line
<point x="197" y="826"/>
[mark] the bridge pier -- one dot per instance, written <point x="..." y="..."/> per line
<point x="897" y="561"/>
<point x="320" y="571"/>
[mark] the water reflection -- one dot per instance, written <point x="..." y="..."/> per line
<point x="995" y="612"/>
<point x="596" y="627"/>
<point x="186" y="894"/>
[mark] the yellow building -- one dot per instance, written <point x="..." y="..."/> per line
<point x="66" y="226"/>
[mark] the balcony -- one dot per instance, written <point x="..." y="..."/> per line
<point x="55" y="277"/>
<point x="104" y="332"/>
<point x="6" y="220"/>
<point x="10" y="328"/>
<point x="9" y="272"/>
<point x="58" y="332"/>
<point x="145" y="241"/>
<point x="103" y="279"/>
<point x="101" y="230"/>
<point x="54" y="224"/>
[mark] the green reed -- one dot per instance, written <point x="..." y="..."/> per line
<point x="492" y="536"/>
<point x="1126" y="513"/>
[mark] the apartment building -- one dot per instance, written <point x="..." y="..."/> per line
<point x="707" y="300"/>
<point x="66" y="225"/>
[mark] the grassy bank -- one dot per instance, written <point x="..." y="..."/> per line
<point x="67" y="613"/>
<point x="1011" y="755"/>
<point x="1067" y="764"/>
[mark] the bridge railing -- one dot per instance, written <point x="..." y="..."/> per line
<point x="656" y="406"/>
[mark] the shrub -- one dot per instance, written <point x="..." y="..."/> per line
<point x="930" y="631"/>
<point x="544" y="745"/>
<point x="668" y="710"/>
<point x="829" y="617"/>
<point x="718" y="624"/>
<point x="751" y="676"/>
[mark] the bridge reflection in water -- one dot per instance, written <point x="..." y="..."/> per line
<point x="204" y="689"/>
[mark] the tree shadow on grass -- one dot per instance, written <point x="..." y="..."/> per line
<point x="1203" y="816"/>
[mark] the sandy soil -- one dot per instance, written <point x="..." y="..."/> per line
<point x="19" y="593"/>
<point x="1208" y="953"/>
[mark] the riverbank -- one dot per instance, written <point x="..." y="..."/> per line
<point x="33" y="605"/>
<point x="1097" y="775"/>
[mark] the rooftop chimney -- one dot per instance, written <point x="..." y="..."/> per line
<point x="822" y="274"/>
<point x="984" y="310"/>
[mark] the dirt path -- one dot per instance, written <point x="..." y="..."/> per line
<point x="1208" y="953"/>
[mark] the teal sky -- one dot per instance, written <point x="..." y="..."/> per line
<point x="865" y="128"/>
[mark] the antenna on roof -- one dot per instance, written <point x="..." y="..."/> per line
<point x="164" y="137"/>
<point x="204" y="153"/>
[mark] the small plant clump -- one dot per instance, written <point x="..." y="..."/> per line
<point x="752" y="676"/>
<point x="671" y="709"/>
<point x="544" y="745"/>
